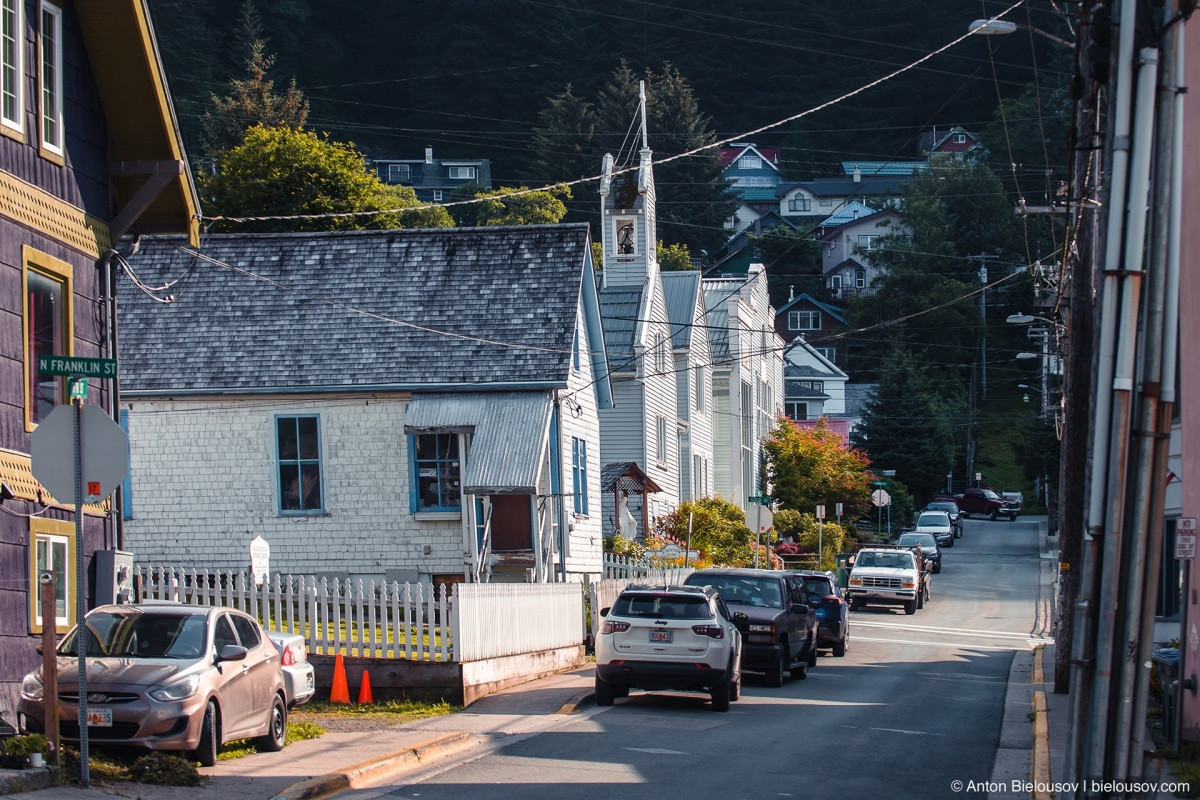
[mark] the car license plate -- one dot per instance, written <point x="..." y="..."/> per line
<point x="660" y="636"/>
<point x="99" y="717"/>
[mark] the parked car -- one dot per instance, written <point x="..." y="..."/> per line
<point x="951" y="509"/>
<point x="929" y="547"/>
<point x="771" y="609"/>
<point x="889" y="575"/>
<point x="833" y="612"/>
<point x="299" y="679"/>
<point x="938" y="523"/>
<point x="984" y="502"/>
<point x="168" y="676"/>
<point x="1014" y="499"/>
<point x="668" y="637"/>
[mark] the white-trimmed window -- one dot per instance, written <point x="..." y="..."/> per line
<point x="960" y="138"/>
<point x="750" y="162"/>
<point x="461" y="173"/>
<point x="398" y="173"/>
<point x="53" y="548"/>
<point x="797" y="411"/>
<point x="437" y="195"/>
<point x="860" y="278"/>
<point x="868" y="241"/>
<point x="625" y="236"/>
<point x="829" y="353"/>
<point x="660" y="440"/>
<point x="660" y="353"/>
<point x="835" y="284"/>
<point x="804" y="320"/>
<point x="50" y="78"/>
<point x="579" y="478"/>
<point x="698" y="389"/>
<point x="799" y="204"/>
<point x="826" y="201"/>
<point x="12" y="65"/>
<point x="816" y="386"/>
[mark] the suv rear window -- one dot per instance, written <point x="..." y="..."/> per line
<point x="745" y="590"/>
<point x="932" y="519"/>
<point x="662" y="606"/>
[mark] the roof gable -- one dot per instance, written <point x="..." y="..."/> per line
<point x="398" y="309"/>
<point x="804" y="298"/>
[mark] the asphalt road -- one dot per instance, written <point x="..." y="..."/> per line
<point x="914" y="706"/>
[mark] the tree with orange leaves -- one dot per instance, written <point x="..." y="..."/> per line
<point x="813" y="466"/>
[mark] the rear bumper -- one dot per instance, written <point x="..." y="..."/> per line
<point x="697" y="677"/>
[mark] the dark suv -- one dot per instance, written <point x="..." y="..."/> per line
<point x="779" y="627"/>
<point x="833" y="613"/>
<point x="929" y="547"/>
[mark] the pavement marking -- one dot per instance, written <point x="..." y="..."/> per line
<point x="953" y="631"/>
<point x="657" y="751"/>
<point x="963" y="645"/>
<point x="896" y="730"/>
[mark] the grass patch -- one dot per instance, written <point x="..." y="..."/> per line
<point x="395" y="711"/>
<point x="297" y="731"/>
<point x="117" y="764"/>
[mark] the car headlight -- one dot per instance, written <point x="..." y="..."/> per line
<point x="762" y="628"/>
<point x="31" y="687"/>
<point x="180" y="690"/>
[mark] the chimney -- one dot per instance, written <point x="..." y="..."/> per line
<point x="791" y="293"/>
<point x="857" y="174"/>
<point x="428" y="154"/>
<point x="856" y="213"/>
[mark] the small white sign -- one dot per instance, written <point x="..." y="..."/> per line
<point x="820" y="512"/>
<point x="839" y="509"/>
<point x="260" y="559"/>
<point x="1185" y="538"/>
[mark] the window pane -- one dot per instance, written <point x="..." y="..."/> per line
<point x="51" y="59"/>
<point x="310" y="446"/>
<point x="47" y="319"/>
<point x="310" y="473"/>
<point x="285" y="428"/>
<point x="9" y="65"/>
<point x="289" y="486"/>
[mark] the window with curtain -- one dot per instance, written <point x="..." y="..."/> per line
<point x="435" y="460"/>
<point x="298" y="453"/>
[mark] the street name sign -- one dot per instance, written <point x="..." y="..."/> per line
<point x="78" y="367"/>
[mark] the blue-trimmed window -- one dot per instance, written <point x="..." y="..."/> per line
<point x="298" y="454"/>
<point x="579" y="479"/>
<point x="435" y="472"/>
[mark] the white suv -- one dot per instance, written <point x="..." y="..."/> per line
<point x="668" y="637"/>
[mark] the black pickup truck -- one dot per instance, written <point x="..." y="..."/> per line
<point x="779" y="628"/>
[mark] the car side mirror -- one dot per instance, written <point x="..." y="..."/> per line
<point x="232" y="652"/>
<point x="799" y="608"/>
<point x="604" y="611"/>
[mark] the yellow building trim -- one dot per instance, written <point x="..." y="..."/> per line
<point x="16" y="470"/>
<point x="62" y="273"/>
<point x="48" y="529"/>
<point x="38" y="209"/>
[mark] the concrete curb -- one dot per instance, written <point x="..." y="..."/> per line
<point x="375" y="769"/>
<point x="577" y="703"/>
<point x="13" y="781"/>
<point x="1040" y="770"/>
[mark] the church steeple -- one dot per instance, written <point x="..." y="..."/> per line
<point x="627" y="215"/>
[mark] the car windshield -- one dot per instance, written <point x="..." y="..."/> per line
<point x="742" y="589"/>
<point x="947" y="507"/>
<point x="889" y="560"/>
<point x="990" y="495"/>
<point x="934" y="520"/>
<point x="662" y="606"/>
<point x="137" y="634"/>
<point x="922" y="539"/>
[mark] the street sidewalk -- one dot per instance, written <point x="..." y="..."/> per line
<point x="338" y="761"/>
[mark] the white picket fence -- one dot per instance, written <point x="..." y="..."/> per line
<point x="621" y="571"/>
<point x="388" y="620"/>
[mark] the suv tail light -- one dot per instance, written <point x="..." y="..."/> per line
<point x="711" y="631"/>
<point x="832" y="598"/>
<point x="614" y="627"/>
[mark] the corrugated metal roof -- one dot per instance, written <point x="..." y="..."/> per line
<point x="682" y="292"/>
<point x="619" y="310"/>
<point x="885" y="167"/>
<point x="509" y="435"/>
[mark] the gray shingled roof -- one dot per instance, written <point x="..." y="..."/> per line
<point x="681" y="290"/>
<point x="404" y="309"/>
<point x="619" y="309"/>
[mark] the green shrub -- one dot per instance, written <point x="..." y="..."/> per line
<point x="26" y="745"/>
<point x="164" y="769"/>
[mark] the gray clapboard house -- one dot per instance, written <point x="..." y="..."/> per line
<point x="693" y="381"/>
<point x="643" y="427"/>
<point x="402" y="404"/>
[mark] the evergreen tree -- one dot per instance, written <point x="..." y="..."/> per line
<point x="908" y="427"/>
<point x="253" y="101"/>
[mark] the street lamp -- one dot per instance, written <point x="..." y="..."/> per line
<point x="991" y="27"/>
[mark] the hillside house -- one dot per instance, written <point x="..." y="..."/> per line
<point x="846" y="252"/>
<point x="955" y="141"/>
<point x="376" y="404"/>
<point x="90" y="153"/>
<point x="815" y="320"/>
<point x="434" y="179"/>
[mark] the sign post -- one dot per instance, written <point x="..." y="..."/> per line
<point x="73" y="442"/>
<point x="759" y="501"/>
<point x="820" y="535"/>
<point x="49" y="665"/>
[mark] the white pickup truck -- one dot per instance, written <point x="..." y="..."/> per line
<point x="889" y="576"/>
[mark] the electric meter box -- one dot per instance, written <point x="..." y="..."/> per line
<point x="114" y="577"/>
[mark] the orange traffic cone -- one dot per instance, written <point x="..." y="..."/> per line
<point x="340" y="693"/>
<point x="364" y="691"/>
